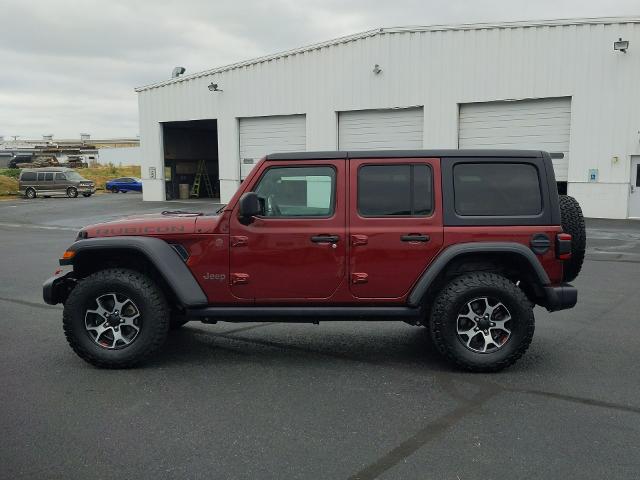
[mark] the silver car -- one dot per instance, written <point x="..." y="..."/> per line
<point x="54" y="181"/>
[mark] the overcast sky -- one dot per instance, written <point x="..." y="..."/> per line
<point x="71" y="66"/>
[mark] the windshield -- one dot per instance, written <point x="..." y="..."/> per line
<point x="74" y="176"/>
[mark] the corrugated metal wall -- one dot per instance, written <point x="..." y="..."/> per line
<point x="439" y="70"/>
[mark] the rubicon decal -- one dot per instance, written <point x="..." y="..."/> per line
<point x="149" y="230"/>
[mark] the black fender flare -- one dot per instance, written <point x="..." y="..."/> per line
<point x="162" y="256"/>
<point x="443" y="259"/>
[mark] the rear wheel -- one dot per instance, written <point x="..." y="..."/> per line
<point x="482" y="322"/>
<point x="30" y="193"/>
<point x="115" y="318"/>
<point x="114" y="189"/>
<point x="72" y="192"/>
<point x="573" y="224"/>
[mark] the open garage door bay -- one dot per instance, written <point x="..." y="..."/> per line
<point x="260" y="136"/>
<point x="541" y="124"/>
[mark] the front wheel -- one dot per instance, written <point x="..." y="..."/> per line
<point x="482" y="322"/>
<point x="115" y="318"/>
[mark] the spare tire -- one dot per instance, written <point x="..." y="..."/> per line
<point x="573" y="224"/>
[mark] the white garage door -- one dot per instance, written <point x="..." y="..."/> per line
<point x="260" y="136"/>
<point x="398" y="128"/>
<point x="542" y="124"/>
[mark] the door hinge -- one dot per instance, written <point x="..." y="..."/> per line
<point x="359" y="278"/>
<point x="239" y="241"/>
<point x="359" y="240"/>
<point x="239" y="278"/>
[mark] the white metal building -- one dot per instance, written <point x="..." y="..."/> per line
<point x="554" y="85"/>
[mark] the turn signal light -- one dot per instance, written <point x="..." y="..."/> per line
<point x="69" y="254"/>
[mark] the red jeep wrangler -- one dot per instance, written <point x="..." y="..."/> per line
<point x="465" y="243"/>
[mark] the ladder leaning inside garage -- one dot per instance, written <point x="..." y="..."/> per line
<point x="201" y="174"/>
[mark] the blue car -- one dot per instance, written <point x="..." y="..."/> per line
<point x="124" y="184"/>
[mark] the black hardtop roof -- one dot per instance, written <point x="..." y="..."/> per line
<point x="341" y="154"/>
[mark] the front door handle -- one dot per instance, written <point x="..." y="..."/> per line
<point x="325" y="238"/>
<point x="415" y="237"/>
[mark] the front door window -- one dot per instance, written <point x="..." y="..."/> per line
<point x="291" y="192"/>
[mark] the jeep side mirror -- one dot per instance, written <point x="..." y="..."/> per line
<point x="249" y="206"/>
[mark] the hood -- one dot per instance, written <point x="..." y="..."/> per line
<point x="160" y="224"/>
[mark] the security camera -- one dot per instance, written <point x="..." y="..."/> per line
<point x="213" y="87"/>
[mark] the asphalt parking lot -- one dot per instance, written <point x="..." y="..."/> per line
<point x="329" y="401"/>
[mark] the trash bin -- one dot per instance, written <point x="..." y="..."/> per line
<point x="184" y="191"/>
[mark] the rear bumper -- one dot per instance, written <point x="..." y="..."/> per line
<point x="560" y="297"/>
<point x="56" y="289"/>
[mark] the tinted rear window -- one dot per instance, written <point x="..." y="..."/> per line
<point x="390" y="190"/>
<point x="496" y="189"/>
<point x="48" y="176"/>
<point x="28" y="176"/>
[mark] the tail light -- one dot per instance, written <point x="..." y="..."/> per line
<point x="563" y="246"/>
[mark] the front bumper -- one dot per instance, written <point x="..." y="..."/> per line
<point x="56" y="289"/>
<point x="84" y="190"/>
<point x="560" y="297"/>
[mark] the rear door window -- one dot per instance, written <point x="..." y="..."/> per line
<point x="41" y="176"/>
<point x="48" y="176"/>
<point x="496" y="189"/>
<point x="395" y="190"/>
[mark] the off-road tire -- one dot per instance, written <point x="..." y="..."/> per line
<point x="30" y="193"/>
<point x="573" y="223"/>
<point x="444" y="318"/>
<point x="72" y="192"/>
<point x="154" y="314"/>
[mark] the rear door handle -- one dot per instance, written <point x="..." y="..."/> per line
<point x="325" y="238"/>
<point x="415" y="237"/>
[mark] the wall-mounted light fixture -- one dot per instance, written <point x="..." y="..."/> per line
<point x="213" y="87"/>
<point x="377" y="69"/>
<point x="621" y="45"/>
<point x="177" y="71"/>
